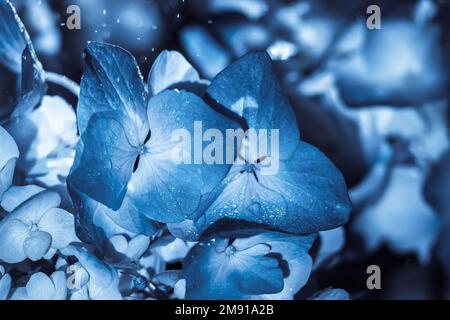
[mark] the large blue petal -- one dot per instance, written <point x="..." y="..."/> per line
<point x="112" y="82"/>
<point x="163" y="188"/>
<point x="105" y="162"/>
<point x="249" y="88"/>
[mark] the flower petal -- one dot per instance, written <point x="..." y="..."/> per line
<point x="170" y="69"/>
<point x="12" y="237"/>
<point x="8" y="148"/>
<point x="17" y="195"/>
<point x="37" y="244"/>
<point x="215" y="274"/>
<point x="104" y="164"/>
<point x="60" y="283"/>
<point x="401" y="217"/>
<point x="40" y="287"/>
<point x="250" y="88"/>
<point x="112" y="82"/>
<point x="60" y="225"/>
<point x="32" y="210"/>
<point x="5" y="286"/>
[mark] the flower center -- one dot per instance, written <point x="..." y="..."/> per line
<point x="34" y="227"/>
<point x="250" y="167"/>
<point x="230" y="250"/>
<point x="142" y="149"/>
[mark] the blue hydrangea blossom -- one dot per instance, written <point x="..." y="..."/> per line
<point x="36" y="229"/>
<point x="307" y="194"/>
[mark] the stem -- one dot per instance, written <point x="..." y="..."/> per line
<point x="64" y="82"/>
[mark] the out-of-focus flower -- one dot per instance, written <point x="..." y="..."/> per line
<point x="394" y="188"/>
<point x="40" y="20"/>
<point x="36" y="229"/>
<point x="401" y="217"/>
<point x="138" y="25"/>
<point x="42" y="287"/>
<point x="46" y="138"/>
<point x="390" y="66"/>
<point x="18" y="64"/>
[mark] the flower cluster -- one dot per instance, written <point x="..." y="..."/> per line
<point x="104" y="197"/>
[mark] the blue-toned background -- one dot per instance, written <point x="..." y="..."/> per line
<point x="86" y="215"/>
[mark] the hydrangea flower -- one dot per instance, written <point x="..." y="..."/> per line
<point x="36" y="229"/>
<point x="398" y="174"/>
<point x="9" y="153"/>
<point x="43" y="287"/>
<point x="251" y="264"/>
<point x="307" y="194"/>
<point x="124" y="155"/>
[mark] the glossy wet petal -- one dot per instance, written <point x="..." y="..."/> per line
<point x="104" y="165"/>
<point x="250" y="88"/>
<point x="112" y="82"/>
<point x="214" y="270"/>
